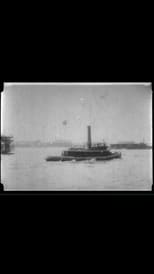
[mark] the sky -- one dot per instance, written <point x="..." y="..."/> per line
<point x="116" y="113"/>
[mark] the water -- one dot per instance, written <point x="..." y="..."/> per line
<point x="28" y="170"/>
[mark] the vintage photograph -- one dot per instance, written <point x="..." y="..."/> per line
<point x="76" y="137"/>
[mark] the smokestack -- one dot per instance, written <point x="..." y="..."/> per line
<point x="89" y="137"/>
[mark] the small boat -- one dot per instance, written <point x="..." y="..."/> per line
<point x="92" y="153"/>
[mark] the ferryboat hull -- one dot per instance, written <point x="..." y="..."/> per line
<point x="71" y="158"/>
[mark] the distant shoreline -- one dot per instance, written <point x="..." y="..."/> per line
<point x="65" y="146"/>
<point x="69" y="144"/>
<point x="135" y="146"/>
<point x="37" y="146"/>
<point x="145" y="148"/>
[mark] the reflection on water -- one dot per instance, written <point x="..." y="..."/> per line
<point x="28" y="170"/>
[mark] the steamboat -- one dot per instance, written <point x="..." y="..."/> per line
<point x="92" y="152"/>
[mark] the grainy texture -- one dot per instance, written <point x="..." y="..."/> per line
<point x="28" y="170"/>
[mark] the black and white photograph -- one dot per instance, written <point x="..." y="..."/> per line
<point x="76" y="136"/>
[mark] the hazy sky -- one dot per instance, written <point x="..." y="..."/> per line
<point x="49" y="112"/>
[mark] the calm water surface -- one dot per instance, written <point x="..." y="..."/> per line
<point x="28" y="170"/>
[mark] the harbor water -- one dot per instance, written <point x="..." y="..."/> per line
<point x="27" y="169"/>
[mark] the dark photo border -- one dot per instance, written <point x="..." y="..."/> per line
<point x="36" y="68"/>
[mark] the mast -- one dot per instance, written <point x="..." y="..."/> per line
<point x="89" y="137"/>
